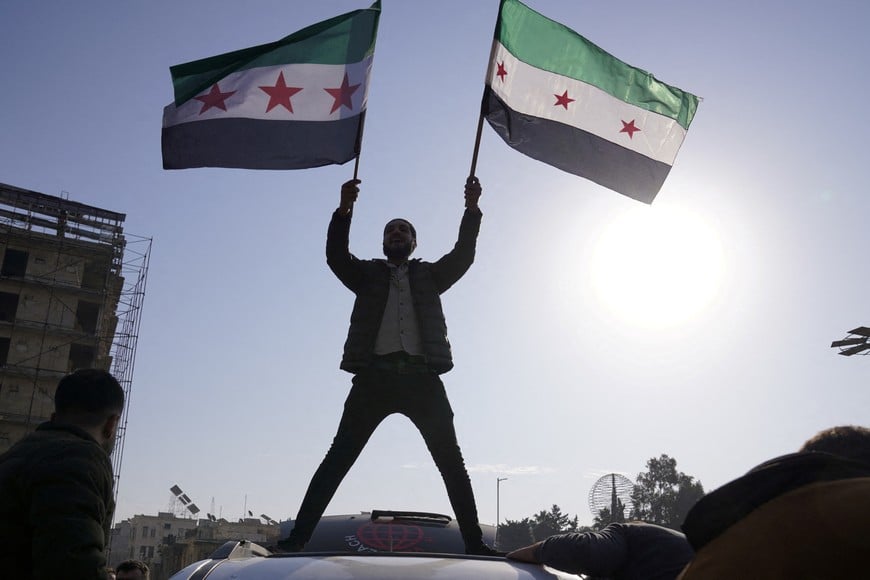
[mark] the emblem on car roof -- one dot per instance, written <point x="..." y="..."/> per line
<point x="388" y="537"/>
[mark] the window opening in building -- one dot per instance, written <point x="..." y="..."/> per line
<point x="94" y="275"/>
<point x="8" y="306"/>
<point x="81" y="356"/>
<point x="14" y="263"/>
<point x="87" y="314"/>
<point x="4" y="350"/>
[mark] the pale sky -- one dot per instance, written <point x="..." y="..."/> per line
<point x="591" y="334"/>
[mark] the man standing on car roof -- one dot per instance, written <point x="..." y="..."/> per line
<point x="396" y="348"/>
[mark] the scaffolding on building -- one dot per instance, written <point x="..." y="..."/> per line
<point x="134" y="271"/>
<point x="72" y="285"/>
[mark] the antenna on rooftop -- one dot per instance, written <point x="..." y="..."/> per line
<point x="856" y="342"/>
<point x="184" y="499"/>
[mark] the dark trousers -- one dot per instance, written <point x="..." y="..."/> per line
<point x="376" y="394"/>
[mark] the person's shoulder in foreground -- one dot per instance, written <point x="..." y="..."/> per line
<point x="56" y="484"/>
<point x="801" y="515"/>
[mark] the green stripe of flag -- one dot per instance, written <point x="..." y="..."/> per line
<point x="347" y="38"/>
<point x="548" y="45"/>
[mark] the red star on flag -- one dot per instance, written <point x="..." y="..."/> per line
<point x="629" y="128"/>
<point x="214" y="98"/>
<point x="342" y="95"/>
<point x="563" y="100"/>
<point x="502" y="73"/>
<point x="280" y="94"/>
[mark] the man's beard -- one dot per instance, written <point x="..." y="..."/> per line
<point x="109" y="444"/>
<point x="400" y="252"/>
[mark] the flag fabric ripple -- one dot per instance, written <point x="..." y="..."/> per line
<point x="558" y="98"/>
<point x="291" y="104"/>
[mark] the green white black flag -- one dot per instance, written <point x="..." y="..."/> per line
<point x="559" y="98"/>
<point x="291" y="104"/>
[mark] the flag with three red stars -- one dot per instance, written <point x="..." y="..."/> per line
<point x="291" y="104"/>
<point x="560" y="99"/>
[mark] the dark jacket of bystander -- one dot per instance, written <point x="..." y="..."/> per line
<point x="56" y="505"/>
<point x="802" y="515"/>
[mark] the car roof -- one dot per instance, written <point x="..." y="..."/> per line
<point x="376" y="545"/>
<point x="367" y="566"/>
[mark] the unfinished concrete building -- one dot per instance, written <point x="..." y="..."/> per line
<point x="68" y="300"/>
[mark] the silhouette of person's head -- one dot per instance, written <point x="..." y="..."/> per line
<point x="132" y="570"/>
<point x="849" y="441"/>
<point x="93" y="400"/>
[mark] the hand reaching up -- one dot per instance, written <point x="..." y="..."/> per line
<point x="472" y="192"/>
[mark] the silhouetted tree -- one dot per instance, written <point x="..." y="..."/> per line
<point x="662" y="495"/>
<point x="603" y="518"/>
<point x="513" y="534"/>
<point x="549" y="523"/>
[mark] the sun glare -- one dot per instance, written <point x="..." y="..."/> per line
<point x="657" y="267"/>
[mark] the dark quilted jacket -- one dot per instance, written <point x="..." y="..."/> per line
<point x="370" y="279"/>
<point x="56" y="505"/>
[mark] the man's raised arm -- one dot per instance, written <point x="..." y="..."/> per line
<point x="338" y="256"/>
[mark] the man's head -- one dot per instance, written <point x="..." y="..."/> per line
<point x="132" y="570"/>
<point x="93" y="400"/>
<point x="849" y="441"/>
<point x="400" y="239"/>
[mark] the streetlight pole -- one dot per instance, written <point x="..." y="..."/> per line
<point x="498" y="481"/>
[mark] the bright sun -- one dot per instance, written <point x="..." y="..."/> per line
<point x="657" y="267"/>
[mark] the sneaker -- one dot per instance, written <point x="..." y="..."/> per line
<point x="483" y="550"/>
